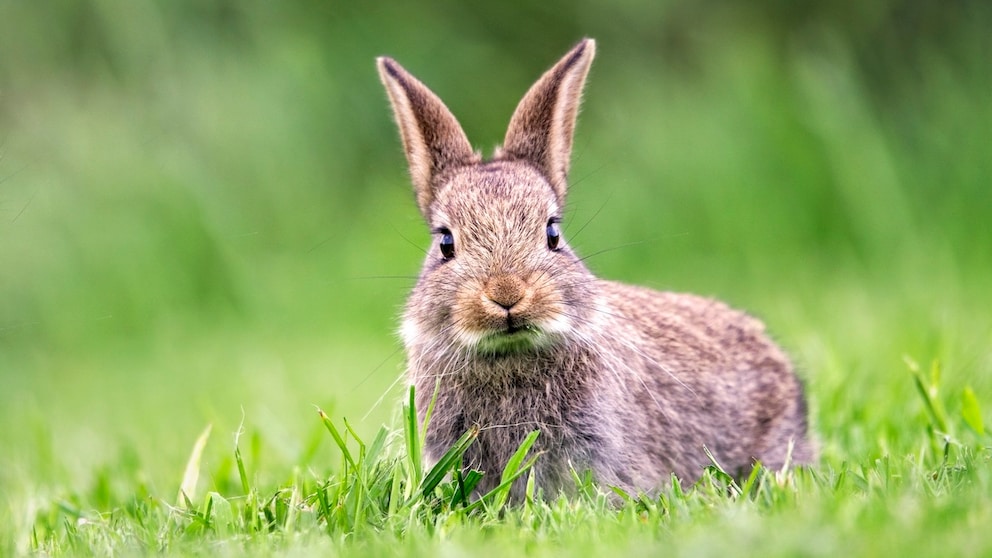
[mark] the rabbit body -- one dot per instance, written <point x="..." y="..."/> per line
<point x="508" y="330"/>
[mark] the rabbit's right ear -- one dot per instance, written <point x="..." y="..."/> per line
<point x="542" y="128"/>
<point x="432" y="138"/>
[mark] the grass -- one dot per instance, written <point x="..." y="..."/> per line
<point x="204" y="221"/>
<point x="382" y="499"/>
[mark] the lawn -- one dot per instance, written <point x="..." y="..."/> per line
<point x="207" y="234"/>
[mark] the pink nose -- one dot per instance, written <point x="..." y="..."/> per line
<point x="505" y="290"/>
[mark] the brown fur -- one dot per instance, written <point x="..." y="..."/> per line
<point x="623" y="381"/>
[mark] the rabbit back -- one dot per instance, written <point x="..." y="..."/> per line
<point x="706" y="375"/>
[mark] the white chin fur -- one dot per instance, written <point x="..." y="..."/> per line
<point x="544" y="334"/>
<point x="410" y="332"/>
<point x="470" y="339"/>
<point x="561" y="325"/>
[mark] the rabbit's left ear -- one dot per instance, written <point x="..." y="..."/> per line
<point x="432" y="138"/>
<point x="543" y="125"/>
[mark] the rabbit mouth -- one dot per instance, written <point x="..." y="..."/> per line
<point x="516" y="338"/>
<point x="517" y="328"/>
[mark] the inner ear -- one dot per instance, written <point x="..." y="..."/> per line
<point x="432" y="138"/>
<point x="543" y="125"/>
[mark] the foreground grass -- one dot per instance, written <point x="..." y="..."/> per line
<point x="382" y="499"/>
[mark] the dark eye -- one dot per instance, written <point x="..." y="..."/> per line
<point x="447" y="244"/>
<point x="554" y="235"/>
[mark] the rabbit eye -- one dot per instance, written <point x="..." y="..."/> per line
<point x="554" y="235"/>
<point x="447" y="244"/>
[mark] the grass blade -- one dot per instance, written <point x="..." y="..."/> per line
<point x="489" y="498"/>
<point x="448" y="461"/>
<point x="513" y="465"/>
<point x="377" y="445"/>
<point x="466" y="484"/>
<point x="752" y="479"/>
<point x="430" y="408"/>
<point x="242" y="472"/>
<point x="361" y="444"/>
<point x="721" y="474"/>
<point x="929" y="392"/>
<point x="187" y="488"/>
<point x="338" y="439"/>
<point x="972" y="411"/>
<point x="295" y="499"/>
<point x="513" y="468"/>
<point x="411" y="432"/>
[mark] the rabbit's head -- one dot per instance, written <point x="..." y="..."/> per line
<point x="499" y="277"/>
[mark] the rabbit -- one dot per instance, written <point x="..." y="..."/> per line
<point x="506" y="329"/>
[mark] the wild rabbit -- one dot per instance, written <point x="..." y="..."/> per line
<point x="626" y="382"/>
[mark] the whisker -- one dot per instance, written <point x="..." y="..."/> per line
<point x="542" y="425"/>
<point x="410" y="277"/>
<point x="594" y="215"/>
<point x="628" y="344"/>
<point x="410" y="242"/>
<point x="613" y="248"/>
<point x="399" y="378"/>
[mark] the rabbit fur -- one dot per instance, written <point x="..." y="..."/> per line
<point x="509" y="330"/>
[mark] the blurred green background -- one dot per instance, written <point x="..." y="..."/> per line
<point x="205" y="213"/>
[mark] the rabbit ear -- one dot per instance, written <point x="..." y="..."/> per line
<point x="432" y="138"/>
<point x="542" y="127"/>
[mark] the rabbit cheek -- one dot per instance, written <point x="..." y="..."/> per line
<point x="410" y="332"/>
<point x="547" y="308"/>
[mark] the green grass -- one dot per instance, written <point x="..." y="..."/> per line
<point x="383" y="499"/>
<point x="205" y="221"/>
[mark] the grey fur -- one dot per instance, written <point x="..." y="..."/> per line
<point x="624" y="381"/>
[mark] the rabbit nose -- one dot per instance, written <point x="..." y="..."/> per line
<point x="505" y="290"/>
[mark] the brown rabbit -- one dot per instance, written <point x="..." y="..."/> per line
<point x="626" y="382"/>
